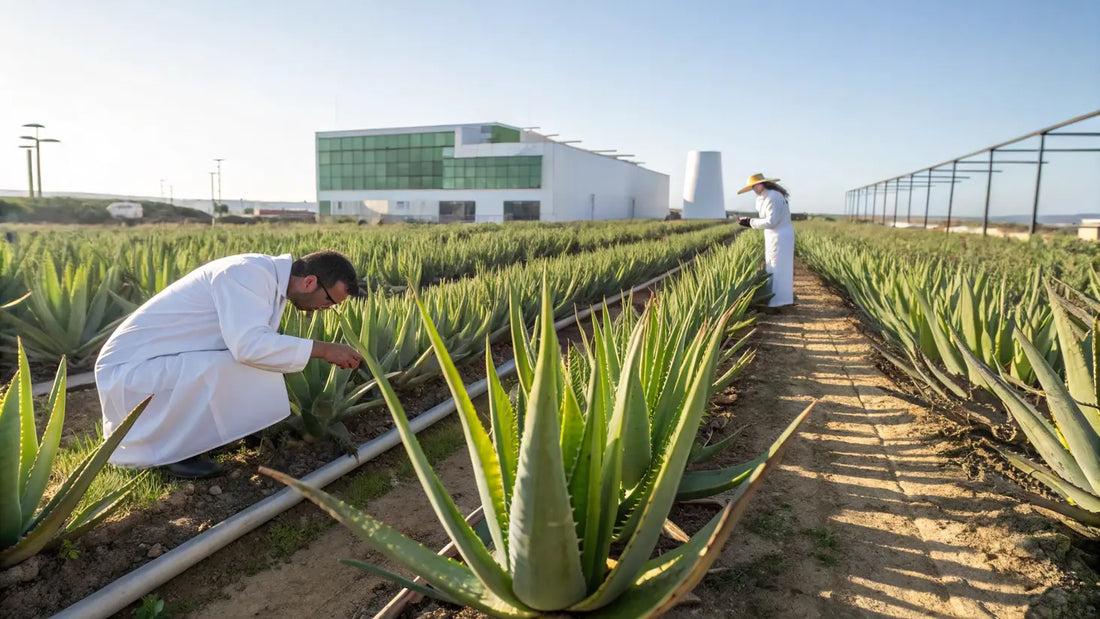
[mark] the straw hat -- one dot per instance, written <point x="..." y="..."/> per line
<point x="755" y="179"/>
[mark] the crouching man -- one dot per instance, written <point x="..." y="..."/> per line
<point x="208" y="349"/>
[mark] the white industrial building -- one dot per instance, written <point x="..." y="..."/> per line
<point x="484" y="172"/>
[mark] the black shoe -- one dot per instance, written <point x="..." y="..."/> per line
<point x="195" y="467"/>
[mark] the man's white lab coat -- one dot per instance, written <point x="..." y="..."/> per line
<point x="775" y="220"/>
<point x="208" y="349"/>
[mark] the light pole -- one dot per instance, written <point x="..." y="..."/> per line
<point x="38" y="150"/>
<point x="214" y="205"/>
<point x="30" y="170"/>
<point x="219" y="161"/>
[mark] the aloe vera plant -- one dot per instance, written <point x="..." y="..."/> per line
<point x="561" y="478"/>
<point x="70" y="313"/>
<point x="322" y="395"/>
<point x="1068" y="441"/>
<point x="25" y="463"/>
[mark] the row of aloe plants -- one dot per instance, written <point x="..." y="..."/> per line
<point x="468" y="313"/>
<point x="85" y="285"/>
<point x="579" y="469"/>
<point x="387" y="256"/>
<point x="968" y="334"/>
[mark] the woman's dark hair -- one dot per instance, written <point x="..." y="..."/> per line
<point x="776" y="187"/>
<point x="329" y="267"/>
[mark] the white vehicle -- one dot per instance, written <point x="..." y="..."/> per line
<point x="125" y="210"/>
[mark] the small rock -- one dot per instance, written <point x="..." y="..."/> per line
<point x="27" y="570"/>
<point x="177" y="499"/>
<point x="155" y="551"/>
<point x="235" y="474"/>
<point x="189" y="488"/>
<point x="215" y="490"/>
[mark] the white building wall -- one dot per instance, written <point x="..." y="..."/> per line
<point x="589" y="186"/>
<point x="576" y="185"/>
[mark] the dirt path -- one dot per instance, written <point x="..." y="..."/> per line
<point x="866" y="518"/>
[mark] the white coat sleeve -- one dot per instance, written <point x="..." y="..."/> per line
<point x="243" y="297"/>
<point x="769" y="215"/>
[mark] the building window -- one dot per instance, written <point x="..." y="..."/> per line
<point x="521" y="211"/>
<point x="457" y="211"/>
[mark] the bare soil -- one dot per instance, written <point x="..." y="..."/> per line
<point x="870" y="515"/>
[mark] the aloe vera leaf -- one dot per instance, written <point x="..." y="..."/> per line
<point x="543" y="544"/>
<point x="503" y="420"/>
<point x="39" y="474"/>
<point x="486" y="465"/>
<point x="472" y="549"/>
<point x="666" y="479"/>
<point x="455" y="580"/>
<point x="1081" y="437"/>
<point x="400" y="580"/>
<point x="1042" y="435"/>
<point x="1073" y="357"/>
<point x="1086" y="500"/>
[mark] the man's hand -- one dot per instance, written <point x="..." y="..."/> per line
<point x="340" y="355"/>
<point x="744" y="221"/>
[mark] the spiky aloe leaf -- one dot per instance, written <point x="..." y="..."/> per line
<point x="1078" y="374"/>
<point x="1089" y="502"/>
<point x="592" y="500"/>
<point x="51" y="519"/>
<point x="39" y="474"/>
<point x="543" y="544"/>
<point x="28" y="435"/>
<point x="398" y="579"/>
<point x="455" y="580"/>
<point x="699" y="484"/>
<point x="1042" y="435"/>
<point x="659" y="495"/>
<point x="664" y="581"/>
<point x="503" y="419"/>
<point x="11" y="514"/>
<point x="949" y="353"/>
<point x="669" y="577"/>
<point x="1080" y="435"/>
<point x="706" y="452"/>
<point x="472" y="549"/>
<point x="483" y="457"/>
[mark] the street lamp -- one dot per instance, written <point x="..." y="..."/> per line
<point x="214" y="205"/>
<point x="30" y="170"/>
<point x="38" y="149"/>
<point x="219" y="179"/>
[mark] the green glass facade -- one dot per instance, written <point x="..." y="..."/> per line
<point x="420" y="161"/>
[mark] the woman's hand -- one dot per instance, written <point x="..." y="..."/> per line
<point x="744" y="221"/>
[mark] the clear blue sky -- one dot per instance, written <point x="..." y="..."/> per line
<point x="825" y="95"/>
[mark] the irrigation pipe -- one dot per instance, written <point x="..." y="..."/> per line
<point x="120" y="593"/>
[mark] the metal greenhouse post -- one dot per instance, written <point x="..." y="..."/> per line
<point x="988" y="187"/>
<point x="927" y="197"/>
<point x="1038" y="180"/>
<point x="951" y="195"/>
<point x="897" y="190"/>
<point x="909" y="211"/>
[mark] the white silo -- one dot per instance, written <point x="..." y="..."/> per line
<point x="703" y="195"/>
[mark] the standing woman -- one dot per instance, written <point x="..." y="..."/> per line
<point x="775" y="219"/>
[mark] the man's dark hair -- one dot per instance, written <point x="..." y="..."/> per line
<point x="329" y="267"/>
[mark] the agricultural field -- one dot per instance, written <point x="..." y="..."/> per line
<point x="920" y="431"/>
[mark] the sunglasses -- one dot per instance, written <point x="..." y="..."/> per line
<point x="329" y="297"/>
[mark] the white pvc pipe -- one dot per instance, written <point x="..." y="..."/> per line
<point x="120" y="593"/>
<point x="76" y="380"/>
